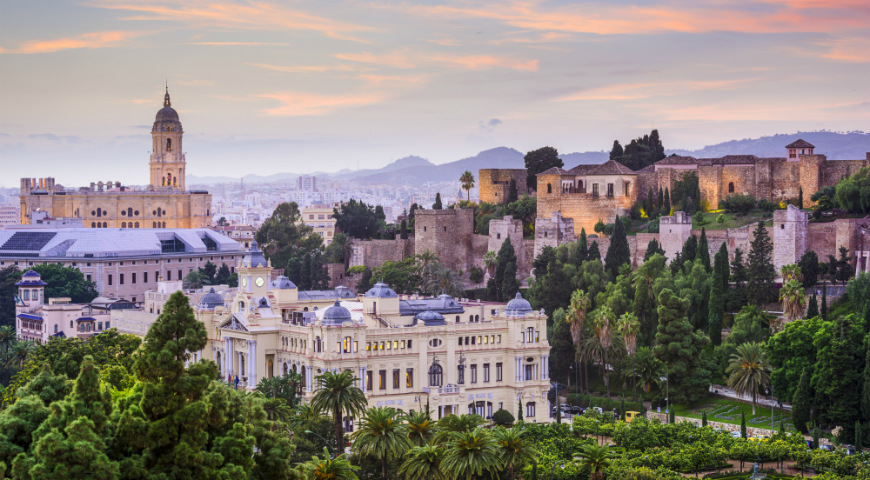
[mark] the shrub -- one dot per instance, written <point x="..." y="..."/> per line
<point x="475" y="275"/>
<point x="356" y="269"/>
<point x="738" y="203"/>
<point x="720" y="218"/>
<point x="502" y="417"/>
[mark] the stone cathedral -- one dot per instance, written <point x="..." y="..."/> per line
<point x="163" y="203"/>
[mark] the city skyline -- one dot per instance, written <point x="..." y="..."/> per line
<point x="267" y="87"/>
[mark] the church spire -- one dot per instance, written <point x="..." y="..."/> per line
<point x="166" y="102"/>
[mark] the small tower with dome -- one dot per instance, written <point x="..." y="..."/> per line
<point x="167" y="156"/>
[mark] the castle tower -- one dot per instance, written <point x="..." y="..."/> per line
<point x="797" y="148"/>
<point x="789" y="236"/>
<point x="167" y="157"/>
<point x="31" y="290"/>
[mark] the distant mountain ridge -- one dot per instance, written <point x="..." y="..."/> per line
<point x="416" y="170"/>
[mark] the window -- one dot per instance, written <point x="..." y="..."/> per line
<point x="396" y="377"/>
<point x="474" y="374"/>
<point x="549" y="188"/>
<point x="99" y="325"/>
<point x="347" y="344"/>
<point x="107" y="326"/>
<point x="594" y="189"/>
<point x="529" y="372"/>
<point x="169" y="275"/>
<point x="609" y="189"/>
<point x="409" y="343"/>
<point x="485" y="373"/>
<point x="110" y="279"/>
<point x="27" y="292"/>
<point x="382" y="379"/>
<point x="133" y="277"/>
<point x="369" y="375"/>
<point x="531" y="334"/>
<point x="499" y="373"/>
<point x="530" y="409"/>
<point x="409" y="378"/>
<point x="145" y="277"/>
<point x="730" y="187"/>
<point x="436" y="375"/>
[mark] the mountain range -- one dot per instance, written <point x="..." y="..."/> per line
<point x="415" y="170"/>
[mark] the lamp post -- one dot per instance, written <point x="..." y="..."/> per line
<point x="325" y="441"/>
<point x="576" y="373"/>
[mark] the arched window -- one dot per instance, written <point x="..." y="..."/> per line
<point x="123" y="224"/>
<point x="731" y="187"/>
<point x="99" y="212"/>
<point x="168" y="144"/>
<point x="129" y="212"/>
<point x="436" y="375"/>
<point x="105" y="225"/>
<point x="93" y="225"/>
<point x="549" y="188"/>
<point x="137" y="225"/>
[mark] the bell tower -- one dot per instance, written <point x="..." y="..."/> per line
<point x="167" y="157"/>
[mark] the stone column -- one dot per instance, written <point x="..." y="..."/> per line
<point x="362" y="378"/>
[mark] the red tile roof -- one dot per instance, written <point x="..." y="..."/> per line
<point x="800" y="143"/>
<point x="611" y="167"/>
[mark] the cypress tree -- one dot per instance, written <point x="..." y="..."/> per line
<point x="816" y="434"/>
<point x="437" y="204"/>
<point x="513" y="194"/>
<point x="666" y="206"/>
<point x="506" y="255"/>
<point x="865" y="389"/>
<point x="801" y="198"/>
<point x="510" y="286"/>
<point x="520" y="411"/>
<point x="813" y="308"/>
<point x="649" y="203"/>
<point x="866" y="317"/>
<point x="716" y="305"/>
<point x="859" y="437"/>
<point x="618" y="253"/>
<point x="824" y="310"/>
<point x="583" y="249"/>
<point x="622" y="408"/>
<point x="660" y="199"/>
<point x="801" y="403"/>
<point x="704" y="418"/>
<point x="704" y="250"/>
<point x="761" y="270"/>
<point x="594" y="254"/>
<point x="403" y="230"/>
<point x="690" y="250"/>
<point x="653" y="248"/>
<point x="742" y="424"/>
<point x="616" y="151"/>
<point x="672" y="416"/>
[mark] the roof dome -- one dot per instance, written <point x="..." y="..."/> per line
<point x="211" y="300"/>
<point x="518" y="307"/>
<point x="336" y="315"/>
<point x="166" y="117"/>
<point x="447" y="301"/>
<point x="430" y="318"/>
<point x="30" y="273"/>
<point x="254" y="258"/>
<point x="381" y="290"/>
<point x="283" y="283"/>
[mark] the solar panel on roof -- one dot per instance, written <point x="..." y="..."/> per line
<point x="28" y="241"/>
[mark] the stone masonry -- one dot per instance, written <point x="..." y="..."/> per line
<point x="553" y="231"/>
<point x="789" y="236"/>
<point x="493" y="183"/>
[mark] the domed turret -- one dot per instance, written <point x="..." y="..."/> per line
<point x="211" y="300"/>
<point x="336" y="314"/>
<point x="430" y="318"/>
<point x="167" y="118"/>
<point x="381" y="290"/>
<point x="283" y="283"/>
<point x="518" y="307"/>
<point x="254" y="258"/>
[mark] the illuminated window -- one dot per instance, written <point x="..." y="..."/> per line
<point x="409" y="378"/>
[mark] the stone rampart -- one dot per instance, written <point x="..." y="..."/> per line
<point x="494" y="183"/>
<point x="373" y="253"/>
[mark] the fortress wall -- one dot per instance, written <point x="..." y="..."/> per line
<point x="822" y="239"/>
<point x="786" y="180"/>
<point x="835" y="170"/>
<point x="448" y="234"/>
<point x="373" y="253"/>
<point x="494" y="183"/>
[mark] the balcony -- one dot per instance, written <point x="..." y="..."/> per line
<point x="443" y="390"/>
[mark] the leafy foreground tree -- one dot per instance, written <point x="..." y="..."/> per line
<point x="381" y="435"/>
<point x="424" y="463"/>
<point x="595" y="457"/>
<point x="679" y="348"/>
<point x="338" y="395"/>
<point x="328" y="468"/>
<point x="515" y="449"/>
<point x="472" y="454"/>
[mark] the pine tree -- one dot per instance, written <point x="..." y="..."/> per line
<point x="618" y="253"/>
<point x="704" y="418"/>
<point x="761" y="271"/>
<point x="583" y="249"/>
<point x="801" y="403"/>
<point x="824" y="310"/>
<point x="704" y="250"/>
<point x="742" y="424"/>
<point x="865" y="389"/>
<point x="403" y="230"/>
<point x="513" y="194"/>
<point x="813" y="308"/>
<point x="666" y="206"/>
<point x="594" y="254"/>
<point x="688" y="381"/>
<point x="716" y="305"/>
<point x="437" y="204"/>
<point x="616" y="151"/>
<point x="801" y="198"/>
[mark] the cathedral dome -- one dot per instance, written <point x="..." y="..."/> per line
<point x="518" y="307"/>
<point x="336" y="315"/>
<point x="167" y="117"/>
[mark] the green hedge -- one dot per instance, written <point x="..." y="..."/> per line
<point x="606" y="404"/>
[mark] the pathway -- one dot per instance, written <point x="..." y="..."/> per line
<point x="762" y="401"/>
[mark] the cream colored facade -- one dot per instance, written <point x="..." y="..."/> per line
<point x="459" y="356"/>
<point x="165" y="203"/>
<point x="321" y="219"/>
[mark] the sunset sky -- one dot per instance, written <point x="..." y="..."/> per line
<point x="290" y="86"/>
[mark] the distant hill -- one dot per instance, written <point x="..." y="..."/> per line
<point x="584" y="158"/>
<point x="837" y="146"/>
<point x="500" y="157"/>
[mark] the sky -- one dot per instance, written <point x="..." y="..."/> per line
<point x="302" y="86"/>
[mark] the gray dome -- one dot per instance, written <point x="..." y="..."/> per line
<point x="283" y="283"/>
<point x="336" y="315"/>
<point x="343" y="292"/>
<point x="430" y="318"/>
<point x="381" y="290"/>
<point x="447" y="302"/>
<point x="211" y="300"/>
<point x="166" y="117"/>
<point x="254" y="258"/>
<point x="518" y="307"/>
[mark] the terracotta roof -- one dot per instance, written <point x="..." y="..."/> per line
<point x="677" y="160"/>
<point x="555" y="171"/>
<point x="583" y="168"/>
<point x="611" y="167"/>
<point x="800" y="143"/>
<point x="647" y="169"/>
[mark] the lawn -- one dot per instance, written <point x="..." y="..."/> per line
<point x="728" y="411"/>
<point x="733" y="220"/>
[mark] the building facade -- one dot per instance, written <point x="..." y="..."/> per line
<point x="322" y="219"/>
<point x="164" y="203"/>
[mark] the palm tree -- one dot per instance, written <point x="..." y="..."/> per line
<point x="579" y="306"/>
<point x="443" y="280"/>
<point x="629" y="326"/>
<point x="793" y="298"/>
<point x="338" y="468"/>
<point x="426" y="263"/>
<point x="470" y="454"/>
<point x="423" y="463"/>
<point x="790" y="272"/>
<point x="419" y="425"/>
<point x="749" y="371"/>
<point x="647" y="368"/>
<point x="450" y="424"/>
<point x="277" y="410"/>
<point x="596" y="457"/>
<point x="514" y="449"/>
<point x="489" y="260"/>
<point x="8" y="338"/>
<point x="337" y="394"/>
<point x="603" y="347"/>
<point x="381" y="435"/>
<point x="467" y="180"/>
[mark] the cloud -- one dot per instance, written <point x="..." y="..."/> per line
<point x="639" y="90"/>
<point x="245" y="15"/>
<point x="485" y="62"/>
<point x="307" y="68"/>
<point x="194" y="83"/>
<point x="853" y="49"/>
<point x="55" y="138"/>
<point x="244" y="44"/>
<point x="85" y="40"/>
<point x="390" y="80"/>
<point x="399" y="59"/>
<point x="489" y="125"/>
<point x="296" y="104"/>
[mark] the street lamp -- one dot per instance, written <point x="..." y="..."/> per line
<point x="325" y="441"/>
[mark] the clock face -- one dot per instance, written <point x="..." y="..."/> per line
<point x="259" y="281"/>
<point x="244" y="281"/>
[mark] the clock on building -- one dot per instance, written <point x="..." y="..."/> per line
<point x="259" y="281"/>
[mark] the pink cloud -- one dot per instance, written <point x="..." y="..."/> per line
<point x="296" y="104"/>
<point x="85" y="40"/>
<point x="484" y="62"/>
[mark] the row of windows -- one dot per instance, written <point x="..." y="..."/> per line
<point x="479" y="340"/>
<point x="31" y="325"/>
<point x="26" y="295"/>
<point x="436" y="374"/>
<point x="387" y="345"/>
<point x="144" y="276"/>
<point x="397" y="377"/>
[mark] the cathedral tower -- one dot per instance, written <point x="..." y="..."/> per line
<point x="167" y="158"/>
